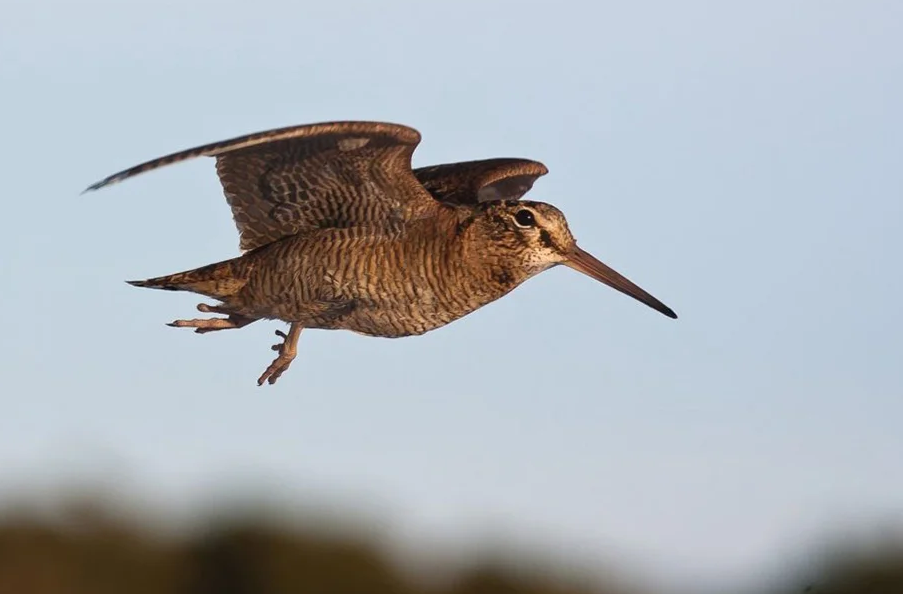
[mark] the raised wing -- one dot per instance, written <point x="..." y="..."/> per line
<point x="472" y="182"/>
<point x="293" y="180"/>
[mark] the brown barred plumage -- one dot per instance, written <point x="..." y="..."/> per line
<point x="340" y="232"/>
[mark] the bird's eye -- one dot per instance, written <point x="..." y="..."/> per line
<point x="525" y="218"/>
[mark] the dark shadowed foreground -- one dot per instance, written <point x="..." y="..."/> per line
<point x="88" y="550"/>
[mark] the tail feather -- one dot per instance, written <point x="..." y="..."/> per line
<point x="155" y="283"/>
<point x="219" y="280"/>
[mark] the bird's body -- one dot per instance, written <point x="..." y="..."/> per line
<point x="341" y="233"/>
<point x="363" y="279"/>
<point x="359" y="279"/>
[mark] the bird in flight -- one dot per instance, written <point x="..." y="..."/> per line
<point x="338" y="231"/>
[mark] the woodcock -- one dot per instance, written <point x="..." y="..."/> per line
<point x="339" y="232"/>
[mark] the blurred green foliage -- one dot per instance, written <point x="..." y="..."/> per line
<point x="99" y="554"/>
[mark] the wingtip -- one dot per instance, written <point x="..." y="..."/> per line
<point x="107" y="181"/>
<point x="94" y="186"/>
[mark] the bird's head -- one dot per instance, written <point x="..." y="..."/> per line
<point x="534" y="236"/>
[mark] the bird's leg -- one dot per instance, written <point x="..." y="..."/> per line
<point x="205" y="325"/>
<point x="287" y="350"/>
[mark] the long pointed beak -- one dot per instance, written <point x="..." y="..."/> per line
<point x="584" y="262"/>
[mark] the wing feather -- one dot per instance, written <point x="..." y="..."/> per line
<point x="472" y="182"/>
<point x="292" y="180"/>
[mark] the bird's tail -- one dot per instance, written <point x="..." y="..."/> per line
<point x="220" y="280"/>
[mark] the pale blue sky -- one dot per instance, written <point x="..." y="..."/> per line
<point x="741" y="161"/>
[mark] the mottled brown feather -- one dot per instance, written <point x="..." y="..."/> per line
<point x="294" y="180"/>
<point x="337" y="175"/>
<point x="471" y="182"/>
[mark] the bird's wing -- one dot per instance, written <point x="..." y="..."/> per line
<point x="293" y="180"/>
<point x="472" y="182"/>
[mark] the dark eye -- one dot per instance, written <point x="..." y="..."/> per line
<point x="525" y="218"/>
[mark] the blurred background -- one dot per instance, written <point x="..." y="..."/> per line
<point x="741" y="161"/>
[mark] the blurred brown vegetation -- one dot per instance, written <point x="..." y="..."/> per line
<point x="96" y="553"/>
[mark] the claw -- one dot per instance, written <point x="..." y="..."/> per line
<point x="278" y="346"/>
<point x="204" y="325"/>
<point x="287" y="350"/>
<point x="213" y="309"/>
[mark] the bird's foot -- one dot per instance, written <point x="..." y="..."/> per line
<point x="204" y="325"/>
<point x="287" y="350"/>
